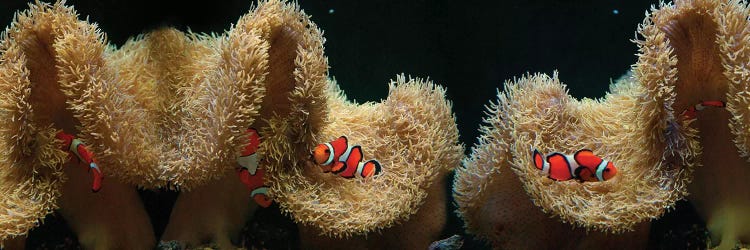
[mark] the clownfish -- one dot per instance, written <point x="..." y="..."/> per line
<point x="75" y="147"/>
<point x="250" y="174"/>
<point x="692" y="111"/>
<point x="583" y="165"/>
<point x="343" y="159"/>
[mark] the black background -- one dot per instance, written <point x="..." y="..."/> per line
<point x="471" y="47"/>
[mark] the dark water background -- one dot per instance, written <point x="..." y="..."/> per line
<point x="470" y="47"/>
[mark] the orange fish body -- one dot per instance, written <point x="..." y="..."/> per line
<point x="560" y="167"/>
<point x="583" y="165"/>
<point x="327" y="155"/>
<point x="593" y="168"/>
<point x="692" y="111"/>
<point x="254" y="182"/>
<point x="351" y="159"/>
<point x="345" y="160"/>
<point x="250" y="174"/>
<point x="75" y="147"/>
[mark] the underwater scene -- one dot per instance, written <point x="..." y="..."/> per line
<point x="437" y="125"/>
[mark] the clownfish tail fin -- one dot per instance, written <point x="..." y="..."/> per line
<point x="538" y="159"/>
<point x="371" y="168"/>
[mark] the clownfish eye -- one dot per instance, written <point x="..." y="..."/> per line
<point x="327" y="151"/>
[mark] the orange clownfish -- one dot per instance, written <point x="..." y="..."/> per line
<point x="583" y="165"/>
<point x="75" y="147"/>
<point x="250" y="174"/>
<point x="692" y="111"/>
<point x="343" y="159"/>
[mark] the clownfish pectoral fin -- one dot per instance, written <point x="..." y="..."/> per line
<point x="326" y="168"/>
<point x="338" y="167"/>
<point x="260" y="195"/>
<point x="96" y="176"/>
<point x="244" y="177"/>
<point x="585" y="174"/>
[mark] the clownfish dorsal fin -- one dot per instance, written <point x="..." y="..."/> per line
<point x="586" y="158"/>
<point x="585" y="150"/>
<point x="341" y="141"/>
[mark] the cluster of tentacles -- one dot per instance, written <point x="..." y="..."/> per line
<point x="654" y="125"/>
<point x="171" y="109"/>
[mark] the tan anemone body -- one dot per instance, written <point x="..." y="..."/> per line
<point x="691" y="51"/>
<point x="412" y="134"/>
<point x="167" y="108"/>
<point x="644" y="186"/>
<point x="199" y="94"/>
<point x="710" y="41"/>
<point x="491" y="199"/>
<point x="404" y="207"/>
<point x="42" y="74"/>
<point x="171" y="108"/>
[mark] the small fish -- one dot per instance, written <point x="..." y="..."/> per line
<point x="692" y="111"/>
<point x="74" y="146"/>
<point x="592" y="167"/>
<point x="451" y="243"/>
<point x="327" y="154"/>
<point x="345" y="160"/>
<point x="250" y="174"/>
<point x="583" y="165"/>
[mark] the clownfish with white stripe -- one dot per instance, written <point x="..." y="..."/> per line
<point x="583" y="165"/>
<point x="692" y="111"/>
<point x="75" y="147"/>
<point x="250" y="174"/>
<point x="343" y="159"/>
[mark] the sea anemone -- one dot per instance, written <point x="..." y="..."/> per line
<point x="536" y="112"/>
<point x="413" y="127"/>
<point x="691" y="51"/>
<point x="412" y="133"/>
<point x="53" y="75"/>
<point x="59" y="75"/>
<point x="710" y="42"/>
